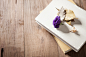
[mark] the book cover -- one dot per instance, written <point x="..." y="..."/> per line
<point x="65" y="48"/>
<point x="72" y="40"/>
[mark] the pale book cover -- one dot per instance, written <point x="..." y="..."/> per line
<point x="73" y="40"/>
<point x="65" y="48"/>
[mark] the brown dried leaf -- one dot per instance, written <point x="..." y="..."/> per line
<point x="69" y="22"/>
<point x="69" y="15"/>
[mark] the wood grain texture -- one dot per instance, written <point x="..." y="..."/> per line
<point x="11" y="30"/>
<point x="21" y="36"/>
<point x="38" y="42"/>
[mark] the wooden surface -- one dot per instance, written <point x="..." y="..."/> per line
<point x="21" y="36"/>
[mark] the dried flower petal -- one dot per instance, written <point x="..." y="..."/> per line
<point x="62" y="13"/>
<point x="56" y="22"/>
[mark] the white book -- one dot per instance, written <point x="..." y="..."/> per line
<point x="73" y="40"/>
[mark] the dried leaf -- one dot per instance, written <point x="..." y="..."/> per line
<point x="69" y="22"/>
<point x="69" y="15"/>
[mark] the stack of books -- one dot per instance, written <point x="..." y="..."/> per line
<point x="67" y="41"/>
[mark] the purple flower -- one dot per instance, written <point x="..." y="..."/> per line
<point x="56" y="22"/>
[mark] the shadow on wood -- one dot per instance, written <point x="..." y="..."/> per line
<point x="81" y="53"/>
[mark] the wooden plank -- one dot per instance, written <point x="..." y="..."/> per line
<point x="81" y="3"/>
<point x="19" y="33"/>
<point x="11" y="34"/>
<point x="3" y="24"/>
<point x="0" y="26"/>
<point x="38" y="42"/>
<point x="84" y="4"/>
